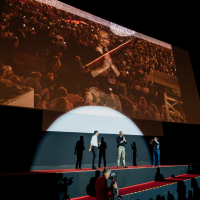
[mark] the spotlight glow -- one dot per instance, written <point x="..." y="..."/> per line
<point x="87" y="119"/>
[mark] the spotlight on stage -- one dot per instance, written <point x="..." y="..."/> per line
<point x="56" y="148"/>
<point x="89" y="118"/>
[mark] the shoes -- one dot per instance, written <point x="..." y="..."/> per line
<point x="125" y="167"/>
<point x="94" y="168"/>
<point x="117" y="167"/>
<point x="153" y="165"/>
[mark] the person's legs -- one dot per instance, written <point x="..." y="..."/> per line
<point x="153" y="158"/>
<point x="119" y="149"/>
<point x="94" y="151"/>
<point x="79" y="158"/>
<point x="77" y="163"/>
<point x="158" y="157"/>
<point x="100" y="156"/>
<point x="104" y="159"/>
<point x="123" y="156"/>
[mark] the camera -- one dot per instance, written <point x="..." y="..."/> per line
<point x="67" y="181"/>
<point x="114" y="192"/>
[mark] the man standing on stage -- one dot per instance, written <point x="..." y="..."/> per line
<point x="101" y="187"/>
<point x="156" y="150"/>
<point x="94" y="147"/>
<point x="121" y="141"/>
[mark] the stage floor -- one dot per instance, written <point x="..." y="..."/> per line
<point x="79" y="183"/>
<point x="83" y="170"/>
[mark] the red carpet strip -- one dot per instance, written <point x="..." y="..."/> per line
<point x="77" y="170"/>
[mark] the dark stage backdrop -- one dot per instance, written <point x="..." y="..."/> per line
<point x="56" y="150"/>
<point x="188" y="85"/>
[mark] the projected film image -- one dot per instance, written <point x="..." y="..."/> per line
<point x="56" y="57"/>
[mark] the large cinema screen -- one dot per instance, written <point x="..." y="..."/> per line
<point x="56" y="57"/>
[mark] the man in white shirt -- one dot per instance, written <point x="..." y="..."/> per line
<point x="94" y="147"/>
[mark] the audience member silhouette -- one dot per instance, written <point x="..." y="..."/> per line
<point x="79" y="152"/>
<point x="91" y="186"/>
<point x="181" y="190"/>
<point x="102" y="152"/>
<point x="190" y="195"/>
<point x="163" y="198"/>
<point x="63" y="184"/>
<point x="196" y="190"/>
<point x="133" y="146"/>
<point x="170" y="196"/>
<point x="159" y="176"/>
<point x="158" y="197"/>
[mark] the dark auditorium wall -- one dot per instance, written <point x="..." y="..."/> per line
<point x="189" y="91"/>
<point x="181" y="143"/>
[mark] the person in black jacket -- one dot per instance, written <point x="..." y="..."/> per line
<point x="121" y="141"/>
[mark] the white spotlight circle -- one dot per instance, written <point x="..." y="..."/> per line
<point x="87" y="119"/>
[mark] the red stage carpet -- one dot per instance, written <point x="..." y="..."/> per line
<point x="79" y="170"/>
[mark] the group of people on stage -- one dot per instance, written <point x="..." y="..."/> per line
<point x="121" y="141"/>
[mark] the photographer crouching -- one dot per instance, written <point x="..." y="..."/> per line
<point x="101" y="186"/>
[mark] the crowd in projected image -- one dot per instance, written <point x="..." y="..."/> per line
<point x="71" y="61"/>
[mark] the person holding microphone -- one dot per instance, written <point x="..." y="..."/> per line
<point x="156" y="150"/>
<point x="121" y="141"/>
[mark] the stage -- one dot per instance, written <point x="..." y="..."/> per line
<point x="79" y="183"/>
